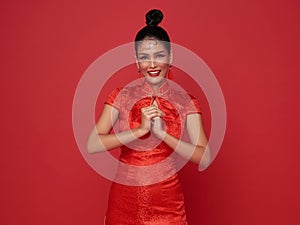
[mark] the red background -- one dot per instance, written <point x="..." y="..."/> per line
<point x="251" y="46"/>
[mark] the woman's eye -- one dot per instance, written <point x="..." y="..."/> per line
<point x="143" y="57"/>
<point x="160" y="56"/>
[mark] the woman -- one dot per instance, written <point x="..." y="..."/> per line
<point x="152" y="114"/>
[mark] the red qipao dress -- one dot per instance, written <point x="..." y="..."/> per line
<point x="147" y="190"/>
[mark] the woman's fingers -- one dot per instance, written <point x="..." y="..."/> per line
<point x="148" y="115"/>
<point x="152" y="112"/>
<point x="151" y="108"/>
<point x="161" y="112"/>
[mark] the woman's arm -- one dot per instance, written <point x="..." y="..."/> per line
<point x="100" y="138"/>
<point x="198" y="149"/>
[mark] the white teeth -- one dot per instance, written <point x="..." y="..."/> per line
<point x="156" y="72"/>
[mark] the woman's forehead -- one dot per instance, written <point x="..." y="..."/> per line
<point x="150" y="45"/>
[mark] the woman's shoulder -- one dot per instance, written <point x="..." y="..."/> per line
<point x="182" y="97"/>
<point x="124" y="92"/>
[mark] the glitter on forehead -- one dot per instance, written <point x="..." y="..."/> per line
<point x="149" y="44"/>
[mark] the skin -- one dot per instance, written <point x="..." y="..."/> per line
<point x="152" y="57"/>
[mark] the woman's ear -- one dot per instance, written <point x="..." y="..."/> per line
<point x="171" y="58"/>
<point x="137" y="64"/>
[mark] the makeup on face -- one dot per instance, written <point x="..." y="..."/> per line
<point x="153" y="58"/>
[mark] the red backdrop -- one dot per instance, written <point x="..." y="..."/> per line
<point x="251" y="46"/>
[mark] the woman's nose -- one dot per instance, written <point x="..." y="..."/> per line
<point x="152" y="63"/>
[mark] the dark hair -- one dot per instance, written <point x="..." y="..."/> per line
<point x="152" y="30"/>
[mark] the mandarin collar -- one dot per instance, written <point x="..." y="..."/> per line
<point x="162" y="89"/>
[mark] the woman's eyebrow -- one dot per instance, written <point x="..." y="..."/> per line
<point x="160" y="52"/>
<point x="143" y="53"/>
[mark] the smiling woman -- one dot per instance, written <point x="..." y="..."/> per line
<point x="153" y="61"/>
<point x="152" y="115"/>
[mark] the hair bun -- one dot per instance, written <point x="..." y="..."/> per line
<point x="154" y="17"/>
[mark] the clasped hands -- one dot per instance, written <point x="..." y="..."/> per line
<point x="151" y="121"/>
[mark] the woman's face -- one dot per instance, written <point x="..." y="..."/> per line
<point x="153" y="61"/>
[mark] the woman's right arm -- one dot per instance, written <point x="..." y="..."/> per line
<point x="101" y="139"/>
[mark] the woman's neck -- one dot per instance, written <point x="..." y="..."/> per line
<point x="156" y="87"/>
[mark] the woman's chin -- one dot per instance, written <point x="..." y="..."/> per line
<point x="155" y="80"/>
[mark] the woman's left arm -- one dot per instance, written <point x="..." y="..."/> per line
<point x="198" y="150"/>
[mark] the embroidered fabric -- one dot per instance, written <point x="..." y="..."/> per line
<point x="160" y="203"/>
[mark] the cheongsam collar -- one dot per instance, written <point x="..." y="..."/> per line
<point x="161" y="91"/>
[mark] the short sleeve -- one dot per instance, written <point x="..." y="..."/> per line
<point x="113" y="98"/>
<point x="193" y="106"/>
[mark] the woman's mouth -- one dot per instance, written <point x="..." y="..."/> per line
<point x="154" y="73"/>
